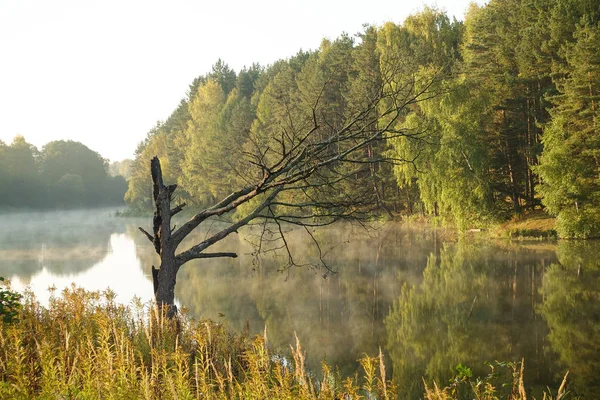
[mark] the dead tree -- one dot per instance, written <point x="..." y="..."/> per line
<point x="294" y="179"/>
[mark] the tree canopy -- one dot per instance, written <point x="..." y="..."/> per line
<point x="512" y="125"/>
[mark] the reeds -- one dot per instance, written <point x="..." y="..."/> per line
<point x="87" y="346"/>
<point x="484" y="388"/>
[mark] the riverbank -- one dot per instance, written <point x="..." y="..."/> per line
<point x="533" y="225"/>
<point x="536" y="224"/>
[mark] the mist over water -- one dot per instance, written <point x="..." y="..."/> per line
<point x="428" y="303"/>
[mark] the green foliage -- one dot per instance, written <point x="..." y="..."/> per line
<point x="214" y="139"/>
<point x="582" y="224"/>
<point x="230" y="129"/>
<point x="447" y="162"/>
<point x="570" y="163"/>
<point x="158" y="143"/>
<point x="463" y="372"/>
<point x="19" y="172"/>
<point x="85" y="345"/>
<point x="121" y="168"/>
<point x="505" y="122"/>
<point x="224" y="76"/>
<point x="77" y="176"/>
<point x="9" y="305"/>
<point x="503" y="375"/>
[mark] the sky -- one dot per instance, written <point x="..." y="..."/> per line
<point x="103" y="72"/>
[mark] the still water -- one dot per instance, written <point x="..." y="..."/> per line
<point x="428" y="301"/>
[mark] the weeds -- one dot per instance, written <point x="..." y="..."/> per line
<point x="87" y="346"/>
<point x="9" y="304"/>
<point x="465" y="386"/>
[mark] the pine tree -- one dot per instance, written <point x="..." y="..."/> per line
<point x="570" y="164"/>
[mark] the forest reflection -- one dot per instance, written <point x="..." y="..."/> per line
<point x="571" y="307"/>
<point x="337" y="316"/>
<point x="477" y="302"/>
<point x="62" y="242"/>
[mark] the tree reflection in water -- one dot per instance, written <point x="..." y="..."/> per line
<point x="571" y="308"/>
<point x="62" y="242"/>
<point x="477" y="302"/>
<point x="443" y="302"/>
<point x="338" y="318"/>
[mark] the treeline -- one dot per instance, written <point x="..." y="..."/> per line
<point x="64" y="174"/>
<point x="509" y="122"/>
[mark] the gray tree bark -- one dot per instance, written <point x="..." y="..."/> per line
<point x="164" y="278"/>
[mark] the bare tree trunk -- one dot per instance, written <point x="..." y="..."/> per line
<point x="163" y="277"/>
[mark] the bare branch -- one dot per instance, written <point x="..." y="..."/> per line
<point x="227" y="204"/>
<point x="178" y="209"/>
<point x="314" y="161"/>
<point x="149" y="236"/>
<point x="194" y="251"/>
<point x="214" y="255"/>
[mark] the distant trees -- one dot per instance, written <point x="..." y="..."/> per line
<point x="63" y="174"/>
<point x="19" y="174"/>
<point x="121" y="168"/>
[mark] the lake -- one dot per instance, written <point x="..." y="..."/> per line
<point x="428" y="299"/>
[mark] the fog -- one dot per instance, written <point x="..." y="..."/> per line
<point x="62" y="242"/>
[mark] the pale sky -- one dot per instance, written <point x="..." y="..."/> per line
<point x="103" y="72"/>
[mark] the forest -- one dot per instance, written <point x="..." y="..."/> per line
<point x="505" y="119"/>
<point x="64" y="174"/>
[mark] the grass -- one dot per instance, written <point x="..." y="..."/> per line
<point x="465" y="386"/>
<point x="87" y="346"/>
<point x="536" y="224"/>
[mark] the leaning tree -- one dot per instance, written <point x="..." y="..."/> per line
<point x="300" y="176"/>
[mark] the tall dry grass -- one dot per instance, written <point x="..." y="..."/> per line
<point x="87" y="346"/>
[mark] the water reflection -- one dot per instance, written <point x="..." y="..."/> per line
<point x="477" y="302"/>
<point x="571" y="307"/>
<point x="119" y="270"/>
<point x="63" y="242"/>
<point x="337" y="318"/>
<point x="429" y="303"/>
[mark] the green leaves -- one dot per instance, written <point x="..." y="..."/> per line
<point x="504" y="121"/>
<point x="570" y="166"/>
<point x="63" y="174"/>
<point x="9" y="305"/>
